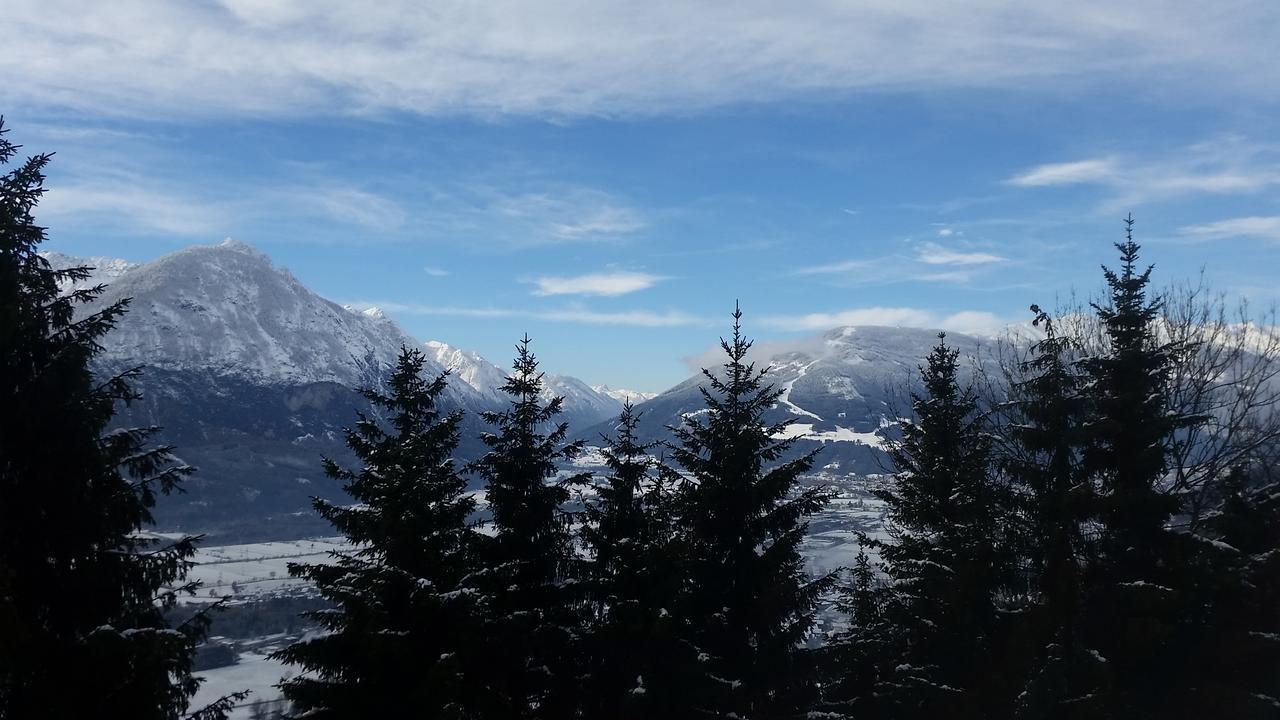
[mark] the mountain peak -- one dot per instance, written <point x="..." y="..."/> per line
<point x="239" y="246"/>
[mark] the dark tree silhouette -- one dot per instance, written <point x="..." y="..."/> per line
<point x="402" y="591"/>
<point x="750" y="602"/>
<point x="535" y="612"/>
<point x="83" y="588"/>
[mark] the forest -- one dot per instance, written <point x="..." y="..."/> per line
<point x="1086" y="527"/>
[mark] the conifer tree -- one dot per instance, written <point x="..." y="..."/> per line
<point x="637" y="663"/>
<point x="851" y="657"/>
<point x="1132" y="422"/>
<point x="534" y="607"/>
<point x="1049" y="432"/>
<point x="1240" y="659"/>
<point x="750" y="602"/>
<point x="83" y="587"/>
<point x="947" y="559"/>
<point x="1145" y="602"/>
<point x="399" y="636"/>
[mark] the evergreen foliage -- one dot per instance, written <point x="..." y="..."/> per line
<point x="947" y="559"/>
<point x="1240" y="657"/>
<point x="750" y="601"/>
<point x="402" y="591"/>
<point x="1057" y="501"/>
<point x="83" y="589"/>
<point x="637" y="663"/>
<point x="850" y="659"/>
<point x="1148" y="606"/>
<point x="534" y="607"/>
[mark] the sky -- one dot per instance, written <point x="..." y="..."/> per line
<point x="610" y="177"/>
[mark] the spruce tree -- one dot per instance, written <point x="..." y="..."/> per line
<point x="1145" y="603"/>
<point x="636" y="579"/>
<point x="399" y="636"/>
<point x="947" y="559"/>
<point x="850" y="659"/>
<point x="1241" y="654"/>
<point x="1049" y="434"/>
<point x="83" y="587"/>
<point x="1132" y="422"/>
<point x="750" y="601"/>
<point x="534" y="610"/>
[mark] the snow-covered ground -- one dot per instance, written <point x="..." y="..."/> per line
<point x="255" y="672"/>
<point x="840" y="434"/>
<point x="257" y="569"/>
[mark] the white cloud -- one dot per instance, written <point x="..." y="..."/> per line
<point x="968" y="321"/>
<point x="1226" y="165"/>
<point x="575" y="315"/>
<point x="135" y="207"/>
<point x="354" y="206"/>
<point x="1265" y="227"/>
<point x="434" y="271"/>
<point x="935" y="254"/>
<point x="606" y="284"/>
<point x="910" y="317"/>
<point x="599" y="57"/>
<point x="1068" y="173"/>
<point x="126" y="199"/>
<point x="561" y="214"/>
<point x="837" y="268"/>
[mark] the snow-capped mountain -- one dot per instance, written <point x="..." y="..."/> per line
<point x="253" y="376"/>
<point x="844" y="389"/>
<point x="227" y="310"/>
<point x="635" y="397"/>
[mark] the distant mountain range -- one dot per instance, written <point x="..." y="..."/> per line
<point x="253" y="376"/>
<point x="843" y="391"/>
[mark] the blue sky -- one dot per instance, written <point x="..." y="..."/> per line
<point x="610" y="177"/>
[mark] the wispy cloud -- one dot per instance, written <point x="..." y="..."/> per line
<point x="604" y="58"/>
<point x="556" y="213"/>
<point x="1265" y="227"/>
<point x="435" y="271"/>
<point x="1068" y="173"/>
<point x="838" y="268"/>
<point x="575" y="315"/>
<point x="135" y="207"/>
<point x="934" y="254"/>
<point x="969" y="321"/>
<point x="918" y="262"/>
<point x="1223" y="166"/>
<point x="605" y="284"/>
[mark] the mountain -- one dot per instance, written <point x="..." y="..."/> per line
<point x="253" y="376"/>
<point x="635" y="397"/>
<point x="843" y="390"/>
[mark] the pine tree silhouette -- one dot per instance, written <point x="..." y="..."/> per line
<point x="83" y="587"/>
<point x="535" y="610"/>
<point x="1050" y="436"/>
<point x="638" y="666"/>
<point x="751" y="603"/>
<point x="403" y="591"/>
<point x="947" y="559"/>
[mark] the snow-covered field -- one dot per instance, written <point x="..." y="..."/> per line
<point x="255" y="672"/>
<point x="246" y="572"/>
<point x="260" y="570"/>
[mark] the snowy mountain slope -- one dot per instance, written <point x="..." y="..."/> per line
<point x="225" y="309"/>
<point x="103" y="269"/>
<point x="253" y="376"/>
<point x="843" y="390"/>
<point x="622" y="395"/>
